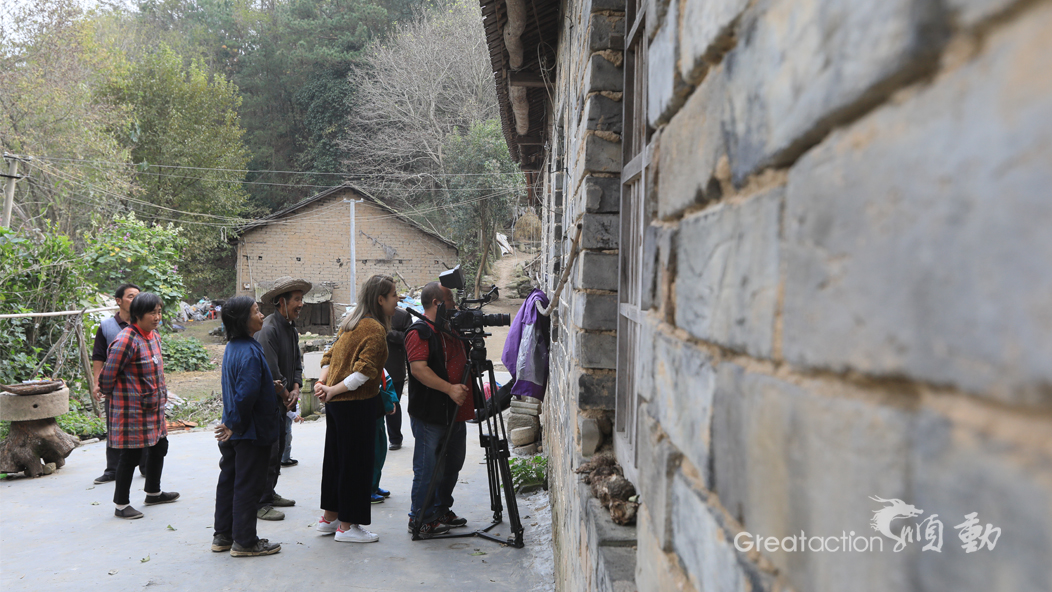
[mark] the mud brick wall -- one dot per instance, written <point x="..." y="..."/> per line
<point x="847" y="289"/>
<point x="313" y="243"/>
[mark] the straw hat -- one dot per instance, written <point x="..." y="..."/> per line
<point x="286" y="284"/>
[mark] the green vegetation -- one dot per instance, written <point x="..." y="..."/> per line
<point x="184" y="354"/>
<point x="529" y="472"/>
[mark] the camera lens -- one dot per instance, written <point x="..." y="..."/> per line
<point x="496" y="320"/>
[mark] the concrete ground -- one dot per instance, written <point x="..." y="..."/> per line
<point x="58" y="532"/>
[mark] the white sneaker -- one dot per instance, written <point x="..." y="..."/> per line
<point x="356" y="534"/>
<point x="327" y="527"/>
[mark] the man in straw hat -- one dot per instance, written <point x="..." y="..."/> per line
<point x="281" y="344"/>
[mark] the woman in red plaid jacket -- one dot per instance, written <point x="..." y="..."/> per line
<point x="133" y="379"/>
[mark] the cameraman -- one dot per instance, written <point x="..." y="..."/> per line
<point x="437" y="363"/>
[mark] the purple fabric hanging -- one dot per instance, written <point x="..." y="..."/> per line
<point x="525" y="352"/>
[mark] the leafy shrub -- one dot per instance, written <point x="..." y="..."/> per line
<point x="528" y="472"/>
<point x="126" y="249"/>
<point x="184" y="354"/>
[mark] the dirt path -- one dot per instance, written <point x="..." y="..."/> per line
<point x="509" y="303"/>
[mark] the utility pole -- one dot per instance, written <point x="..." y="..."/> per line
<point x="9" y="189"/>
<point x="354" y="261"/>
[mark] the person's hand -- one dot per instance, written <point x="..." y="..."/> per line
<point x="392" y="412"/>
<point x="322" y="392"/>
<point x="297" y="419"/>
<point x="459" y="393"/>
<point x="279" y="389"/>
<point x="223" y="433"/>
<point x="294" y="397"/>
<point x="318" y="389"/>
<point x="97" y="393"/>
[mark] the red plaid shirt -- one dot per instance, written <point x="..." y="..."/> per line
<point x="133" y="382"/>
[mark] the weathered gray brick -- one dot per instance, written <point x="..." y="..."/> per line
<point x="595" y="312"/>
<point x="596" y="390"/>
<point x="959" y="470"/>
<point x="657" y="460"/>
<point x="603" y="113"/>
<point x="917" y="240"/>
<point x="600" y="231"/>
<point x="706" y="26"/>
<point x="597" y="271"/>
<point x="681" y="399"/>
<point x="691" y="146"/>
<point x="665" y="88"/>
<point x="799" y="67"/>
<point x="602" y="195"/>
<point x="602" y="74"/>
<point x="801" y="461"/>
<point x="597" y="350"/>
<point x="606" y="32"/>
<point x="969" y="13"/>
<point x="599" y="155"/>
<point x="702" y="545"/>
<point x="727" y="280"/>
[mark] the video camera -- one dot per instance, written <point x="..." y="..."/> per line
<point x="470" y="320"/>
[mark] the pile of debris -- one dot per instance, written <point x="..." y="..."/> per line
<point x="521" y="282"/>
<point x="523" y="422"/>
<point x="204" y="309"/>
<point x="609" y="485"/>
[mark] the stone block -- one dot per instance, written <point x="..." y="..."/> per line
<point x="529" y="410"/>
<point x="521" y="420"/>
<point x="602" y="74"/>
<point x="608" y="533"/>
<point x="527" y="450"/>
<point x="691" y="146"/>
<point x="787" y="459"/>
<point x="600" y="231"/>
<point x="597" y="271"/>
<point x="727" y="273"/>
<point x="702" y="545"/>
<point x="958" y="470"/>
<point x="602" y="195"/>
<point x="656" y="12"/>
<point x="800" y="68"/>
<point x="597" y="350"/>
<point x="917" y="240"/>
<point x="659" y="264"/>
<point x="606" y="32"/>
<point x="596" y="390"/>
<point x="704" y="32"/>
<point x="597" y="5"/>
<point x="595" y="312"/>
<point x="665" y="88"/>
<point x="599" y="155"/>
<point x="30" y="407"/>
<point x="681" y="400"/>
<point x="523" y="436"/>
<point x="657" y="460"/>
<point x="589" y="435"/>
<point x="968" y="13"/>
<point x="602" y="113"/>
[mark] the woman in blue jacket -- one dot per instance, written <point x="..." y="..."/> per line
<point x="250" y="427"/>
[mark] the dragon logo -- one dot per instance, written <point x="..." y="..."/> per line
<point x="895" y="509"/>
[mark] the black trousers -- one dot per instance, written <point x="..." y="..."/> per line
<point x="242" y="477"/>
<point x="113" y="456"/>
<point x="394" y="422"/>
<point x="130" y="458"/>
<point x="273" y="465"/>
<point x="350" y="451"/>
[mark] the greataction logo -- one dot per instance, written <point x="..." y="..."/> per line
<point x="929" y="530"/>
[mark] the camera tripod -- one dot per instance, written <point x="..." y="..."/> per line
<point x="495" y="442"/>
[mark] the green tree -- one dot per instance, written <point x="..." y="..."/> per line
<point x="186" y="118"/>
<point x="127" y="249"/>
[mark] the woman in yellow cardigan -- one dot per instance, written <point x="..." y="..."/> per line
<point x="350" y="379"/>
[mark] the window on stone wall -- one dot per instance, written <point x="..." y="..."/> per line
<point x="635" y="216"/>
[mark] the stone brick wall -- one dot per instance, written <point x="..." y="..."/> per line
<point x="312" y="242"/>
<point x="847" y="289"/>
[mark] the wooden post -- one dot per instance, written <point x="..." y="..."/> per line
<point x="85" y="361"/>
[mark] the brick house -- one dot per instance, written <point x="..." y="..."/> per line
<point x="817" y="269"/>
<point x="310" y="240"/>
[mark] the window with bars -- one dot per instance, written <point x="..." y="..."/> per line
<point x="634" y="218"/>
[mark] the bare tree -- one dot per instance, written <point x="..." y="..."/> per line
<point x="429" y="79"/>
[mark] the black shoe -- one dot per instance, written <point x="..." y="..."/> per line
<point x="290" y="462"/>
<point x="429" y="529"/>
<point x="262" y="547"/>
<point x="166" y="497"/>
<point x="221" y="542"/>
<point x="128" y="513"/>
<point x="451" y="519"/>
<point x="395" y="446"/>
<point x="105" y="478"/>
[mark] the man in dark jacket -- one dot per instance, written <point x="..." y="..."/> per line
<point x="104" y="336"/>
<point x="396" y="366"/>
<point x="281" y="345"/>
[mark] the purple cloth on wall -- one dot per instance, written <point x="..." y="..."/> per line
<point x="525" y="352"/>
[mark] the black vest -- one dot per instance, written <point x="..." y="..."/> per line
<point x="427" y="404"/>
